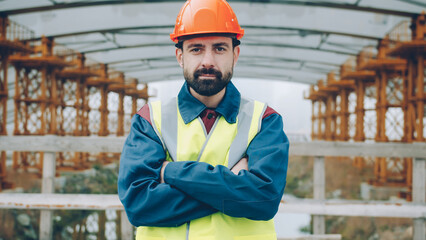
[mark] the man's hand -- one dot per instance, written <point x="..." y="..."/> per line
<point x="242" y="164"/>
<point x="162" y="171"/>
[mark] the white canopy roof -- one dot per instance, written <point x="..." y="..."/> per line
<point x="297" y="41"/>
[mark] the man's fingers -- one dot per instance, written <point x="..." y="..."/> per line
<point x="242" y="164"/>
<point x="162" y="171"/>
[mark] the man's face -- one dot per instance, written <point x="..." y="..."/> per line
<point x="208" y="63"/>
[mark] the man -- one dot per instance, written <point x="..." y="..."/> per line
<point x="208" y="164"/>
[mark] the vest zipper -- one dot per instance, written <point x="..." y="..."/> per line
<point x="187" y="230"/>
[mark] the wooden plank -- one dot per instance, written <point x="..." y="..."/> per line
<point x="60" y="201"/>
<point x="52" y="143"/>
<point x="308" y="206"/>
<point x="94" y="144"/>
<point x="349" y="149"/>
<point x="354" y="208"/>
<point x="315" y="237"/>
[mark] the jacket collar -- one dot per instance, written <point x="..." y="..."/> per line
<point x="190" y="107"/>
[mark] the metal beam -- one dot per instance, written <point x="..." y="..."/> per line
<point x="242" y="57"/>
<point x="308" y="31"/>
<point x="353" y="208"/>
<point x="128" y="47"/>
<point x="304" y="69"/>
<point x="251" y="75"/>
<point x="413" y="2"/>
<point x="325" y="4"/>
<point x="103" y="31"/>
<point x="302" y="30"/>
<point x="241" y="64"/>
<point x="275" y="45"/>
<point x="141" y="60"/>
<point x="308" y="77"/>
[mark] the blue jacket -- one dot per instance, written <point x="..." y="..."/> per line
<point x="254" y="194"/>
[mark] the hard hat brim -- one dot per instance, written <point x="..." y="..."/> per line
<point x="183" y="37"/>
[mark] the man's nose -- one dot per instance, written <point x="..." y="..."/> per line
<point x="208" y="60"/>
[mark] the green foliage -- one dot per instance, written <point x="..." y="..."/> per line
<point x="100" y="180"/>
<point x="306" y="229"/>
<point x="19" y="224"/>
<point x="68" y="224"/>
<point x="343" y="181"/>
<point x="300" y="177"/>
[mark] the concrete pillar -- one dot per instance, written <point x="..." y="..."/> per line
<point x="319" y="193"/>
<point x="126" y="228"/>
<point x="419" y="191"/>
<point x="48" y="186"/>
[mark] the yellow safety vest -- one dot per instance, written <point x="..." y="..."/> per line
<point x="225" y="144"/>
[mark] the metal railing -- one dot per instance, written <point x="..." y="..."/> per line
<point x="367" y="53"/>
<point x="401" y="32"/>
<point x="318" y="207"/>
<point x="17" y="32"/>
<point x="348" y="66"/>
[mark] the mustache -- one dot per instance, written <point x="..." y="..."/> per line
<point x="212" y="71"/>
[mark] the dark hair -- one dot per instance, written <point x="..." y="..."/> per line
<point x="235" y="41"/>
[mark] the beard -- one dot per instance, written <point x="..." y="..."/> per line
<point x="207" y="87"/>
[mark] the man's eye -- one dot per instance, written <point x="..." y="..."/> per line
<point x="195" y="50"/>
<point x="220" y="49"/>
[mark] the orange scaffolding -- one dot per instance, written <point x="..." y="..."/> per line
<point x="12" y="37"/>
<point x="58" y="91"/>
<point x="389" y="83"/>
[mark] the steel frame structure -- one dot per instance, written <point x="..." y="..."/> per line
<point x="11" y="36"/>
<point x="73" y="107"/>
<point x="397" y="74"/>
<point x="389" y="76"/>
<point x="413" y="49"/>
<point x="52" y="95"/>
<point x="341" y="107"/>
<point x="36" y="98"/>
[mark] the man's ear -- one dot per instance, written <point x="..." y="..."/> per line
<point x="236" y="54"/>
<point x="179" y="56"/>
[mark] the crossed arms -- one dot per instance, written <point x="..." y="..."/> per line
<point x="241" y="165"/>
<point x="195" y="189"/>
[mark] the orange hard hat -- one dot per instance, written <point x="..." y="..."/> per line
<point x="204" y="17"/>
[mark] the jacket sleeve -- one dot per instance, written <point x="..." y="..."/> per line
<point x="254" y="194"/>
<point x="146" y="201"/>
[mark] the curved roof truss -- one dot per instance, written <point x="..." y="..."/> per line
<point x="355" y="6"/>
<point x="285" y="40"/>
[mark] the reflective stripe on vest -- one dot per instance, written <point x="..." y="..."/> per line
<point x="225" y="144"/>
